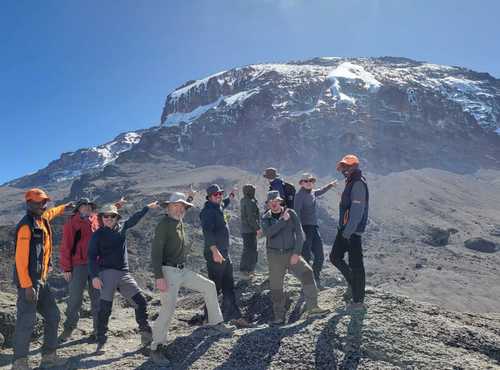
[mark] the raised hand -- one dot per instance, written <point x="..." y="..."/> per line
<point x="154" y="204"/>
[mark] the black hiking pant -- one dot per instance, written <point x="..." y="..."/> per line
<point x="249" y="255"/>
<point x="354" y="272"/>
<point x="313" y="249"/>
<point x="222" y="275"/>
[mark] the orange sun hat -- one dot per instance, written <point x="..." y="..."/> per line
<point x="348" y="160"/>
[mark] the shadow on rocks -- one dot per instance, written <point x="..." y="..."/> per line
<point x="257" y="348"/>
<point x="329" y="343"/>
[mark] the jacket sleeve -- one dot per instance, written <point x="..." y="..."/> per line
<point x="52" y="213"/>
<point x="270" y="229"/>
<point x="157" y="249"/>
<point x="226" y="202"/>
<point x="323" y="190"/>
<point x="23" y="239"/>
<point x="358" y="204"/>
<point x="208" y="226"/>
<point x="68" y="238"/>
<point x="134" y="219"/>
<point x="299" y="233"/>
<point x="298" y="203"/>
<point x="256" y="217"/>
<point x="93" y="255"/>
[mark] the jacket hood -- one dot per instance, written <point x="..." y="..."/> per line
<point x="249" y="191"/>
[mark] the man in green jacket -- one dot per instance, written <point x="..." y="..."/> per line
<point x="168" y="256"/>
<point x="250" y="231"/>
<point x="285" y="238"/>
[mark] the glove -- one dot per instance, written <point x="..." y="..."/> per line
<point x="30" y="294"/>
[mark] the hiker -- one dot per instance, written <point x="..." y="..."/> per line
<point x="306" y="208"/>
<point x="283" y="231"/>
<point x="353" y="217"/>
<point x="168" y="256"/>
<point x="286" y="190"/>
<point x="216" y="250"/>
<point x="109" y="270"/>
<point x="33" y="256"/>
<point x="76" y="236"/>
<point x="250" y="231"/>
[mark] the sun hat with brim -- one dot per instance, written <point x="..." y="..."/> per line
<point x="36" y="195"/>
<point x="214" y="188"/>
<point x="177" y="198"/>
<point x="307" y="177"/>
<point x="109" y="209"/>
<point x="348" y="160"/>
<point x="274" y="195"/>
<point x="271" y="173"/>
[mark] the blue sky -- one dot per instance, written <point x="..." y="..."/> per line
<point x="75" y="74"/>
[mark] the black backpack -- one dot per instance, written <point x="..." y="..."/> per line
<point x="289" y="194"/>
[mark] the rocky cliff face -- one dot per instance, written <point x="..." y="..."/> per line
<point x="396" y="113"/>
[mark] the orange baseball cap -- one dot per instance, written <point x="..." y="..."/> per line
<point x="348" y="160"/>
<point x="36" y="195"/>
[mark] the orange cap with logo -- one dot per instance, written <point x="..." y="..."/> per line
<point x="348" y="160"/>
<point x="36" y="195"/>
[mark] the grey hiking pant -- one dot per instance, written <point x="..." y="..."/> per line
<point x="279" y="263"/>
<point x="26" y="318"/>
<point x="122" y="281"/>
<point x="80" y="278"/>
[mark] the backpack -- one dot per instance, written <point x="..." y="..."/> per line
<point x="290" y="191"/>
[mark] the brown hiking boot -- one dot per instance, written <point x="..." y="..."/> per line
<point x="52" y="360"/>
<point x="317" y="311"/>
<point x="21" y="364"/>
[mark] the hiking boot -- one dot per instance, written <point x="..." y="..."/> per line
<point x="222" y="328"/>
<point x="52" y="360"/>
<point x="277" y="322"/>
<point x="347" y="294"/>
<point x="245" y="276"/>
<point x="65" y="335"/>
<point x="317" y="311"/>
<point x="356" y="306"/>
<point x="159" y="358"/>
<point x="241" y="323"/>
<point x="100" y="348"/>
<point x="146" y="338"/>
<point x="21" y="364"/>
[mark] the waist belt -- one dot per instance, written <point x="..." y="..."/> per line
<point x="179" y="266"/>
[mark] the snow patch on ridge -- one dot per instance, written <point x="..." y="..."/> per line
<point x="350" y="71"/>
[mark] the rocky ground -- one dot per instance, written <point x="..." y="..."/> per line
<point x="395" y="332"/>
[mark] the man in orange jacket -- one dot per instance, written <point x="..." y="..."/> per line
<point x="32" y="264"/>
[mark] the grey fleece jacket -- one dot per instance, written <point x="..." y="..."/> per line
<point x="283" y="236"/>
<point x="305" y="204"/>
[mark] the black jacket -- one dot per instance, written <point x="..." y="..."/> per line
<point x="108" y="247"/>
<point x="215" y="229"/>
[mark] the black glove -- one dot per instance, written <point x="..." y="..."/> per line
<point x="30" y="294"/>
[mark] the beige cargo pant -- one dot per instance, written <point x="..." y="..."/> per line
<point x="279" y="263"/>
<point x="177" y="278"/>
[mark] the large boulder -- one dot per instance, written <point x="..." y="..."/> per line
<point x="437" y="237"/>
<point x="481" y="245"/>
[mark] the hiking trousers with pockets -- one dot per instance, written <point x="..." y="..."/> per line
<point x="177" y="278"/>
<point x="279" y="264"/>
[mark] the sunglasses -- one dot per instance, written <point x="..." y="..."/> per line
<point x="311" y="180"/>
<point x="108" y="216"/>
<point x="218" y="194"/>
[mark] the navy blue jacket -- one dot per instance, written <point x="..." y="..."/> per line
<point x="215" y="229"/>
<point x="108" y="247"/>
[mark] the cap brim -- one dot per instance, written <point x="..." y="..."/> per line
<point x="187" y="204"/>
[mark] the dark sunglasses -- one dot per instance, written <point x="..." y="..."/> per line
<point x="311" y="180"/>
<point x="109" y="216"/>
<point x="218" y="194"/>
